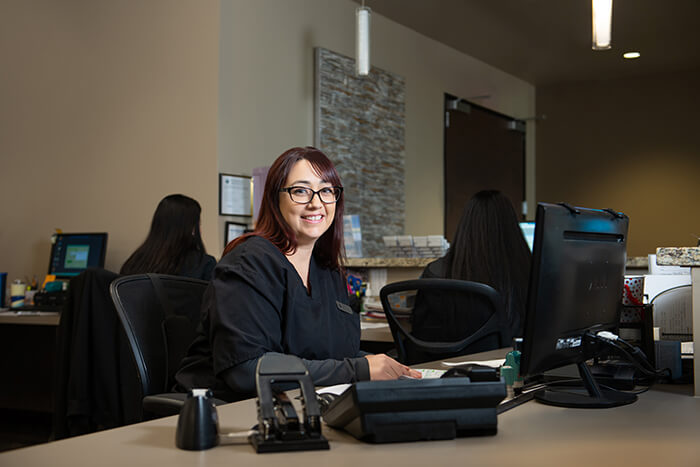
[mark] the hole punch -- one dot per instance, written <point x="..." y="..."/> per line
<point x="279" y="426"/>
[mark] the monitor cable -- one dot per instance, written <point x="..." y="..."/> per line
<point x="632" y="353"/>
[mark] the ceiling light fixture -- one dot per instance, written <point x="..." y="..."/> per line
<point x="602" y="24"/>
<point x="363" y="16"/>
<point x="631" y="55"/>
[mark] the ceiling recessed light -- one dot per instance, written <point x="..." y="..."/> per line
<point x="631" y="55"/>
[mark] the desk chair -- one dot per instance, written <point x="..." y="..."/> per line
<point x="160" y="315"/>
<point x="449" y="318"/>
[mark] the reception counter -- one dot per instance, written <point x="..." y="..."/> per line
<point x="661" y="428"/>
<point x="382" y="271"/>
<point x="399" y="269"/>
<point x="688" y="256"/>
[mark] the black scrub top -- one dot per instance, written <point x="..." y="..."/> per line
<point x="198" y="266"/>
<point x="257" y="303"/>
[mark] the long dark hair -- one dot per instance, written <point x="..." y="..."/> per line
<point x="489" y="247"/>
<point x="271" y="225"/>
<point x="174" y="235"/>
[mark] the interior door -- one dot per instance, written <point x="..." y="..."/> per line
<point x="484" y="150"/>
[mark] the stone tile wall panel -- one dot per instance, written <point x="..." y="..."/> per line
<point x="360" y="125"/>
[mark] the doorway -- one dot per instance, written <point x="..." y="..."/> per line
<point x="484" y="150"/>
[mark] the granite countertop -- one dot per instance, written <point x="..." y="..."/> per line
<point x="388" y="262"/>
<point x="632" y="262"/>
<point x="637" y="262"/>
<point x="678" y="256"/>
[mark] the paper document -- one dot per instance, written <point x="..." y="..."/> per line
<point x="426" y="373"/>
<point x="686" y="348"/>
<point x="370" y="325"/>
<point x="429" y="373"/>
<point x="338" y="389"/>
<point x="492" y="363"/>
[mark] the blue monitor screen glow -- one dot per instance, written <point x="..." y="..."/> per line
<point x="528" y="229"/>
<point x="72" y="254"/>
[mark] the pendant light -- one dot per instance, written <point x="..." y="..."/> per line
<point x="363" y="16"/>
<point x="602" y="24"/>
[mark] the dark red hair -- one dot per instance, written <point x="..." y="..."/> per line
<point x="271" y="224"/>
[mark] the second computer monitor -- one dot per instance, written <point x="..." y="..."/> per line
<point x="72" y="253"/>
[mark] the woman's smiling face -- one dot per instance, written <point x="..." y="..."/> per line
<point x="310" y="220"/>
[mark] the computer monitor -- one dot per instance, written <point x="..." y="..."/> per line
<point x="528" y="229"/>
<point x="575" y="291"/>
<point x="72" y="253"/>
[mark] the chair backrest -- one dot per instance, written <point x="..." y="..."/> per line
<point x="448" y="318"/>
<point x="160" y="315"/>
<point x="673" y="313"/>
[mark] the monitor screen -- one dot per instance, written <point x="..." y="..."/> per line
<point x="528" y="229"/>
<point x="71" y="254"/>
<point x="575" y="289"/>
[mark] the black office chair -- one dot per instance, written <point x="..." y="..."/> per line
<point x="448" y="318"/>
<point x="160" y="315"/>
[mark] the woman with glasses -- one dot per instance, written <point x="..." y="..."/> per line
<point x="280" y="289"/>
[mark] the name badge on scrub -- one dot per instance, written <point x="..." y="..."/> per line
<point x="343" y="307"/>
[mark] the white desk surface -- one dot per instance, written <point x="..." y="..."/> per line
<point x="375" y="332"/>
<point x="661" y="428"/>
<point x="44" y="318"/>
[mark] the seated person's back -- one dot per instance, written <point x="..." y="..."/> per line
<point x="488" y="248"/>
<point x="174" y="243"/>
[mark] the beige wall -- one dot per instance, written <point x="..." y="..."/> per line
<point x="267" y="94"/>
<point x="106" y="107"/>
<point x="631" y="145"/>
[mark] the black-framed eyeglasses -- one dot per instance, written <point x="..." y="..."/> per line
<point x="304" y="195"/>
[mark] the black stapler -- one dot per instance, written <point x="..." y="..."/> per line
<point x="279" y="427"/>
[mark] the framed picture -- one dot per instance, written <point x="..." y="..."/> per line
<point x="235" y="197"/>
<point x="233" y="230"/>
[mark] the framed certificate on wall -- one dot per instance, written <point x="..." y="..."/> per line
<point x="233" y="230"/>
<point x="235" y="195"/>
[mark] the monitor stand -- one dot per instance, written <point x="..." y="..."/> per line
<point x="590" y="396"/>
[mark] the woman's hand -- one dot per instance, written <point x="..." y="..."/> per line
<point x="383" y="367"/>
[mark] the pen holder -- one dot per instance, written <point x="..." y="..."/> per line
<point x="17" y="294"/>
<point x="633" y="291"/>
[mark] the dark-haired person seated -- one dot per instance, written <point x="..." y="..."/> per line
<point x="280" y="289"/>
<point x="489" y="248"/>
<point x="174" y="243"/>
